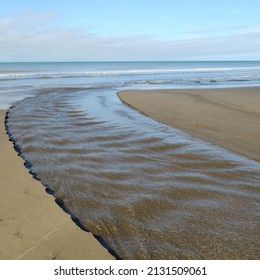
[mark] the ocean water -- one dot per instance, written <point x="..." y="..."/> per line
<point x="146" y="190"/>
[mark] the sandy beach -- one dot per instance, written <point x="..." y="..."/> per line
<point x="229" y="118"/>
<point x="32" y="225"/>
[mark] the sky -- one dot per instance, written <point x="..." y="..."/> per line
<point x="129" y="30"/>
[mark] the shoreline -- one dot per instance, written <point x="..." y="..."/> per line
<point x="226" y="117"/>
<point x="33" y="226"/>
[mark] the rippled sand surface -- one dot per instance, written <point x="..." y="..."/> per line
<point x="149" y="190"/>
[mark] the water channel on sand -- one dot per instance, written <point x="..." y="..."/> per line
<point x="149" y="190"/>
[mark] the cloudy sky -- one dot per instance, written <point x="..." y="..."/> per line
<point x="112" y="30"/>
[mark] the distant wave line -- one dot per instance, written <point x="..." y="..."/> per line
<point x="103" y="73"/>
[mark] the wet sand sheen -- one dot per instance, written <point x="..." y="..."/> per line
<point x="229" y="118"/>
<point x="151" y="191"/>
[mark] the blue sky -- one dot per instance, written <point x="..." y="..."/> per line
<point x="97" y="30"/>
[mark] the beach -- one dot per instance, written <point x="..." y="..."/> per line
<point x="149" y="190"/>
<point x="32" y="225"/>
<point x="229" y="118"/>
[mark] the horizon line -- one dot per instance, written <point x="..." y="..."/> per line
<point x="104" y="61"/>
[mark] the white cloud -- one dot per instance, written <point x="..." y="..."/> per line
<point x="37" y="37"/>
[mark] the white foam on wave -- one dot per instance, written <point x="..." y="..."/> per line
<point x="103" y="73"/>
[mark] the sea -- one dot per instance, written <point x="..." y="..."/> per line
<point x="145" y="190"/>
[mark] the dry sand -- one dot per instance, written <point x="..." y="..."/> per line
<point x="229" y="118"/>
<point x="32" y="225"/>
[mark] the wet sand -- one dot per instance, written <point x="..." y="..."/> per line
<point x="32" y="225"/>
<point x="229" y="118"/>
